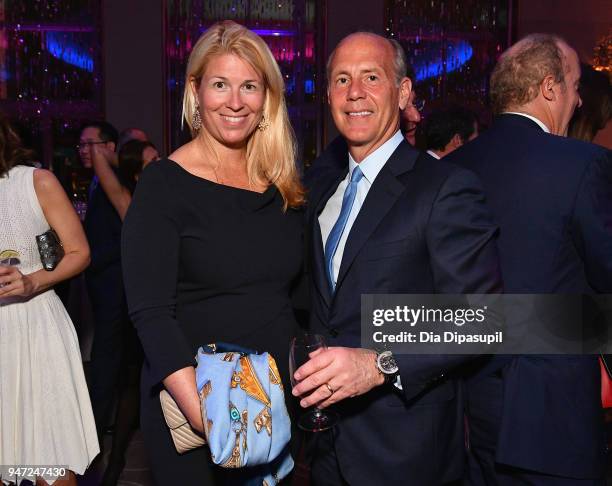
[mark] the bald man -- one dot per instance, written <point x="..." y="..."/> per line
<point x="386" y="218"/>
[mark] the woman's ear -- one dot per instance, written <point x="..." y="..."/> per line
<point x="195" y="85"/>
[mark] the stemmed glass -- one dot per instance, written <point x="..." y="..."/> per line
<point x="304" y="347"/>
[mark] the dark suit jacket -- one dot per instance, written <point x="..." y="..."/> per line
<point x="552" y="197"/>
<point x="103" y="230"/>
<point x="423" y="228"/>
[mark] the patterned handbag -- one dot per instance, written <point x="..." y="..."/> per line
<point x="242" y="402"/>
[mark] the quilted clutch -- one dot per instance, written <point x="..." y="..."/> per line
<point x="183" y="436"/>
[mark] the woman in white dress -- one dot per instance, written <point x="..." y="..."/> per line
<point x="45" y="412"/>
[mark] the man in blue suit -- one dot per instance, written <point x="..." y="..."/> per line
<point x="389" y="220"/>
<point x="538" y="419"/>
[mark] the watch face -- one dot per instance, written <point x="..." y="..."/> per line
<point x="386" y="363"/>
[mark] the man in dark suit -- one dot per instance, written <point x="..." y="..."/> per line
<point x="538" y="419"/>
<point x="104" y="280"/>
<point x="392" y="220"/>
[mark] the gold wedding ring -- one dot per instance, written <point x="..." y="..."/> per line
<point x="331" y="390"/>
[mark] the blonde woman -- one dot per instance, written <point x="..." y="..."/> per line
<point x="212" y="243"/>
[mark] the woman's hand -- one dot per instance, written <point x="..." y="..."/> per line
<point x="13" y="283"/>
<point x="182" y="386"/>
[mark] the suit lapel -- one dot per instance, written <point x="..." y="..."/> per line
<point x="380" y="199"/>
<point x="320" y="274"/>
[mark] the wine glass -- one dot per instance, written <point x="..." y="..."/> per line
<point x="302" y="349"/>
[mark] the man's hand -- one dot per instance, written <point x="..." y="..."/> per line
<point x="101" y="152"/>
<point x="335" y="374"/>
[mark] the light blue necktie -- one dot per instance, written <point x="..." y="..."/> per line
<point x="336" y="232"/>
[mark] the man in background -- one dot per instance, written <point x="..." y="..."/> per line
<point x="411" y="114"/>
<point x="131" y="133"/>
<point x="537" y="419"/>
<point x="448" y="129"/>
<point x="104" y="279"/>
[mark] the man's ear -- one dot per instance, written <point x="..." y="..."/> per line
<point x="546" y="88"/>
<point x="405" y="88"/>
<point x="111" y="146"/>
<point x="328" y="102"/>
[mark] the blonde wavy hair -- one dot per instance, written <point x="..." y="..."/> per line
<point x="271" y="153"/>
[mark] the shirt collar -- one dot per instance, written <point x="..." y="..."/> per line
<point x="373" y="163"/>
<point x="532" y="118"/>
<point x="433" y="154"/>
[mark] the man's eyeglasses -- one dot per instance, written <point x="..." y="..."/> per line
<point x="86" y="145"/>
<point x="419" y="104"/>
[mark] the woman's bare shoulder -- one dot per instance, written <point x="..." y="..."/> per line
<point x="50" y="193"/>
<point x="45" y="180"/>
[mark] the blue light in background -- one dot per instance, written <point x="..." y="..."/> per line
<point x="309" y="86"/>
<point x="64" y="48"/>
<point x="266" y="32"/>
<point x="457" y="54"/>
<point x="290" y="86"/>
<point x="274" y="33"/>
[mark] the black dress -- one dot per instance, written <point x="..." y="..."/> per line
<point x="202" y="263"/>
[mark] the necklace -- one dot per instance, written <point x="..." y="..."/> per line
<point x="218" y="180"/>
<point x="216" y="169"/>
<point x="201" y="149"/>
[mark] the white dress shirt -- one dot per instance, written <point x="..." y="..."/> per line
<point x="433" y="154"/>
<point x="370" y="166"/>
<point x="532" y="118"/>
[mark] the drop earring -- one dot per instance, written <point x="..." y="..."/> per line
<point x="263" y="124"/>
<point x="196" y="119"/>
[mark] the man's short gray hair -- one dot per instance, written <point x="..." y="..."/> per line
<point x="521" y="68"/>
<point x="400" y="62"/>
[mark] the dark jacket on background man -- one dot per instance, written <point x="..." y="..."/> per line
<point x="552" y="198"/>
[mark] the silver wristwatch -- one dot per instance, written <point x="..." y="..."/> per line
<point x="386" y="365"/>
